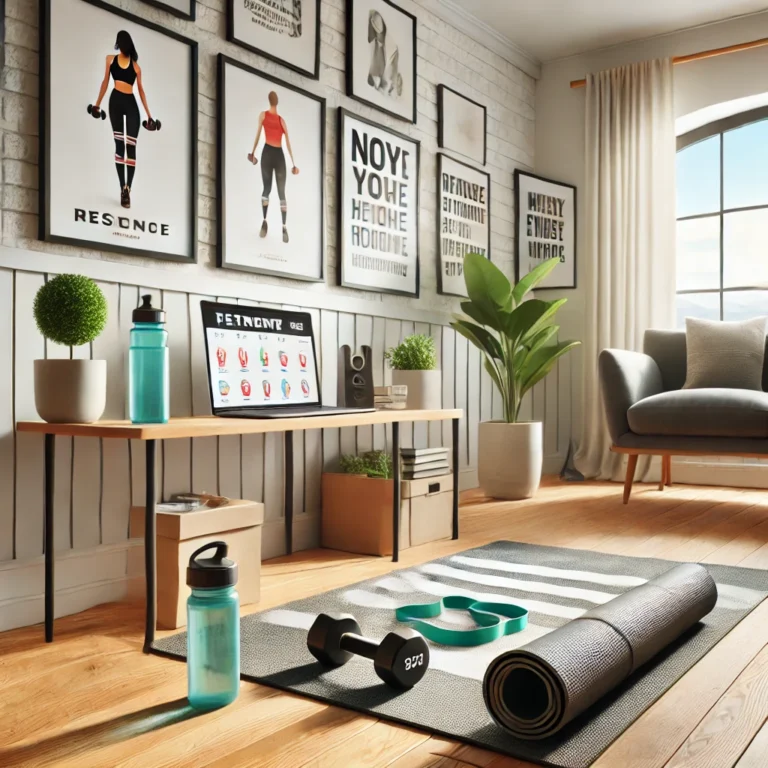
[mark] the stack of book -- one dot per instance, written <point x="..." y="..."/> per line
<point x="390" y="398"/>
<point x="424" y="462"/>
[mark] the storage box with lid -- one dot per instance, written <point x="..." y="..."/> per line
<point x="357" y="512"/>
<point x="179" y="534"/>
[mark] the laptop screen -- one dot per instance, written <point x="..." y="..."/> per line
<point x="259" y="357"/>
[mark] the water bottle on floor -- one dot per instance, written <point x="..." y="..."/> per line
<point x="213" y="629"/>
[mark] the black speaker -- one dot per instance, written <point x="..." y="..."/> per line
<point x="355" y="378"/>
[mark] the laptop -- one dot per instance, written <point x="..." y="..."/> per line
<point x="262" y="363"/>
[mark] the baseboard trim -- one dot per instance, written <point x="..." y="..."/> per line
<point x="720" y="474"/>
<point x="84" y="578"/>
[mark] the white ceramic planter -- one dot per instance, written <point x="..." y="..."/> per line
<point x="70" y="390"/>
<point x="425" y="389"/>
<point x="510" y="458"/>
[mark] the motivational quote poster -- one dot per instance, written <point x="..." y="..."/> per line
<point x="379" y="208"/>
<point x="463" y="220"/>
<point x="546" y="228"/>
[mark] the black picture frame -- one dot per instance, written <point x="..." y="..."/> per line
<point x="313" y="74"/>
<point x="350" y="9"/>
<point x="45" y="138"/>
<point x="221" y="260"/>
<point x="190" y="16"/>
<point x="441" y="88"/>
<point x="519" y="223"/>
<point x="340" y="155"/>
<point x="439" y="251"/>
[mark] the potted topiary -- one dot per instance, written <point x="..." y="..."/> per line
<point x="518" y="341"/>
<point x="414" y="364"/>
<point x="70" y="310"/>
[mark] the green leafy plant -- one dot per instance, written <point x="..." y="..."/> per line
<point x="376" y="464"/>
<point x="518" y="338"/>
<point x="413" y="353"/>
<point x="70" y="310"/>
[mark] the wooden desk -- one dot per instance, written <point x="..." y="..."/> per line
<point x="211" y="426"/>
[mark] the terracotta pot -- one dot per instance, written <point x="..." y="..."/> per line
<point x="70" y="391"/>
<point x="425" y="389"/>
<point x="510" y="458"/>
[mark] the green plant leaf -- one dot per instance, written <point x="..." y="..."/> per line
<point x="532" y="279"/>
<point x="487" y="286"/>
<point x="477" y="314"/>
<point x="541" y="339"/>
<point x="414" y="353"/>
<point x="479" y="336"/>
<point x="70" y="310"/>
<point x="493" y="373"/>
<point x="541" y="363"/>
<point x="544" y="318"/>
<point x="522" y="319"/>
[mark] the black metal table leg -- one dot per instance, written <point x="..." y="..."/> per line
<point x="150" y="539"/>
<point x="455" y="478"/>
<point x="395" y="491"/>
<point x="49" y="553"/>
<point x="288" y="497"/>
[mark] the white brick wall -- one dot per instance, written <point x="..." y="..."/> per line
<point x="445" y="55"/>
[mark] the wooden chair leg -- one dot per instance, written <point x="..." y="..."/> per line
<point x="631" y="465"/>
<point x="668" y="471"/>
<point x="663" y="480"/>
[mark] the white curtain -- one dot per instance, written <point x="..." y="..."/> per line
<point x="629" y="202"/>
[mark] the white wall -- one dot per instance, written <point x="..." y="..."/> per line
<point x="560" y="126"/>
<point x="96" y="480"/>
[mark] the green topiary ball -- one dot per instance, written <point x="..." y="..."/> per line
<point x="70" y="310"/>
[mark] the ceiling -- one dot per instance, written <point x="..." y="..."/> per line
<point x="552" y="29"/>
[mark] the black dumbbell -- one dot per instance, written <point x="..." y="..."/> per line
<point x="152" y="125"/>
<point x="400" y="659"/>
<point x="96" y="112"/>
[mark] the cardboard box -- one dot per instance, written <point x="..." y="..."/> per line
<point x="357" y="512"/>
<point x="179" y="534"/>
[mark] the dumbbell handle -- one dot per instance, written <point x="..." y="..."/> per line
<point x="359" y="645"/>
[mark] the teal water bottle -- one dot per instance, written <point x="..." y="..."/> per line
<point x="213" y="629"/>
<point x="148" y="385"/>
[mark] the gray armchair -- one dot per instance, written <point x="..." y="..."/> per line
<point x="648" y="411"/>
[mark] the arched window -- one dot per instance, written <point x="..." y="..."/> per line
<point x="722" y="219"/>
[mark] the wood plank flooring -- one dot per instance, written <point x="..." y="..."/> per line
<point x="93" y="699"/>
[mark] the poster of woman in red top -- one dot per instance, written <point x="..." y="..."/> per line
<point x="272" y="157"/>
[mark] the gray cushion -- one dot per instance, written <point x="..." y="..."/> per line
<point x="723" y="354"/>
<point x="668" y="349"/>
<point x="702" y="412"/>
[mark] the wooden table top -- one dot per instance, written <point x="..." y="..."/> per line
<point x="207" y="426"/>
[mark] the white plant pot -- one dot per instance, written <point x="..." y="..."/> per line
<point x="425" y="389"/>
<point x="70" y="390"/>
<point x="510" y="458"/>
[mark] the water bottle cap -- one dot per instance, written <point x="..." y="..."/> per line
<point x="146" y="313"/>
<point x="211" y="572"/>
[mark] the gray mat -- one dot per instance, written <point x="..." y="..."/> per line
<point x="555" y="584"/>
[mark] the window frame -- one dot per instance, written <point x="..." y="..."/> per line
<point x="720" y="128"/>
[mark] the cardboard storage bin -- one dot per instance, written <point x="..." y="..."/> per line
<point x="179" y="534"/>
<point x="357" y="512"/>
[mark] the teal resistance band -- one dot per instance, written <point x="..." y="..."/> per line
<point x="486" y="615"/>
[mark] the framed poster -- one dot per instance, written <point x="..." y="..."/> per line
<point x="545" y="212"/>
<point x="118" y="125"/>
<point x="381" y="57"/>
<point x="462" y="124"/>
<point x="271" y="143"/>
<point x="463" y="221"/>
<point x="184" y="9"/>
<point x="285" y="31"/>
<point x="378" y="207"/>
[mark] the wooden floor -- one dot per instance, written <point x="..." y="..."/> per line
<point x="93" y="699"/>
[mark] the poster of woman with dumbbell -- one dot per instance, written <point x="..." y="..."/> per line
<point x="124" y="70"/>
<point x="97" y="189"/>
<point x="271" y="161"/>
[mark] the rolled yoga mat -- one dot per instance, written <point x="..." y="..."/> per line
<point x="535" y="690"/>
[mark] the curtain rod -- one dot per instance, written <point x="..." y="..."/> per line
<point x="701" y="55"/>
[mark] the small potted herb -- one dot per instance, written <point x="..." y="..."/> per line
<point x="70" y="310"/>
<point x="414" y="364"/>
